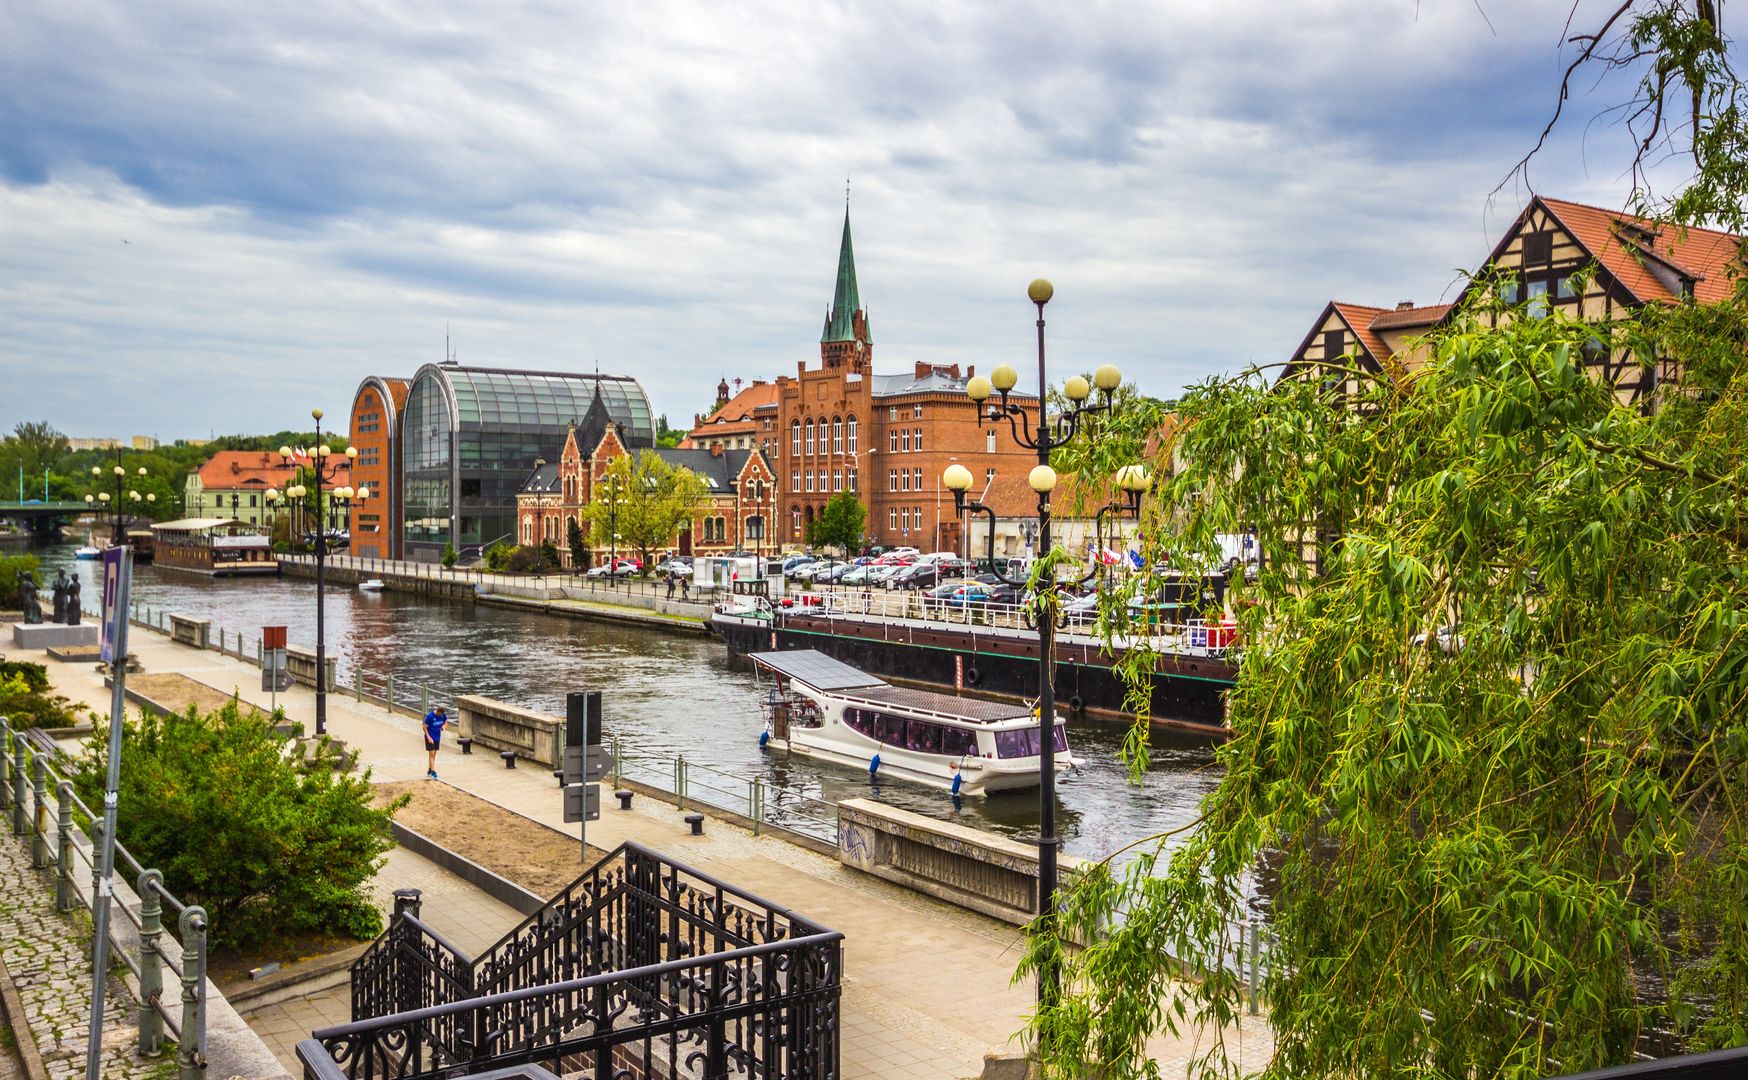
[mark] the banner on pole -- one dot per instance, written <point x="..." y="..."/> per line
<point x="113" y="609"/>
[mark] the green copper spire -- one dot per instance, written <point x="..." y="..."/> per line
<point x="846" y="301"/>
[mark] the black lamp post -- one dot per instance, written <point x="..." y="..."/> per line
<point x="324" y="467"/>
<point x="612" y="530"/>
<point x="103" y="502"/>
<point x="1044" y="438"/>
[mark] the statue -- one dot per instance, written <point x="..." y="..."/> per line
<point x="27" y="599"/>
<point x="73" y="612"/>
<point x="60" y="614"/>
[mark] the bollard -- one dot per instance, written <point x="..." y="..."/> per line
<point x="680" y="780"/>
<point x="191" y="1047"/>
<point x="697" y="823"/>
<point x="151" y="964"/>
<point x="466" y="745"/>
<point x="509" y="757"/>
<point x="624" y="797"/>
<point x="39" y="790"/>
<point x="64" y="858"/>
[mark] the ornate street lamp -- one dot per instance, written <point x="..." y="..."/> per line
<point x="1045" y="437"/>
<point x="327" y="514"/>
<point x="113" y="506"/>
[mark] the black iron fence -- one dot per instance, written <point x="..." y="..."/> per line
<point x="643" y="967"/>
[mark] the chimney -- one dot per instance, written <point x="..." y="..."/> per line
<point x="923" y="370"/>
<point x="716" y="449"/>
<point x="1404" y="305"/>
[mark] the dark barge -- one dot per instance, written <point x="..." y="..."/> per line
<point x="1189" y="688"/>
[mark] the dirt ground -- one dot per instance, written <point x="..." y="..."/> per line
<point x="534" y="856"/>
<point x="179" y="691"/>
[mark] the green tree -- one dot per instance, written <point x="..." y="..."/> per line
<point x="267" y="844"/>
<point x="33" y="448"/>
<point x="449" y="556"/>
<point x="839" y="523"/>
<point x="12" y="568"/>
<point x="1511" y="848"/>
<point x="578" y="544"/>
<point x="645" y="502"/>
<point x="666" y="436"/>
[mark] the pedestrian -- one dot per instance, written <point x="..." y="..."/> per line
<point x="685" y="589"/>
<point x="435" y="721"/>
<point x="673" y="579"/>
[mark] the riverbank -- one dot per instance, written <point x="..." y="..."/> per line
<point x="927" y="987"/>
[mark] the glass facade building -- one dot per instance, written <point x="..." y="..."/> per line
<point x="470" y="436"/>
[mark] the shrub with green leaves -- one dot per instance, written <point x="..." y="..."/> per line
<point x="26" y="700"/>
<point x="267" y="842"/>
<point x="12" y="567"/>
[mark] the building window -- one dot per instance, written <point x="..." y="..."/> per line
<point x="891" y="479"/>
<point x="795" y="436"/>
<point x="916" y="440"/>
<point x="852" y="434"/>
<point x="850" y="480"/>
<point x="904" y="479"/>
<point x="794" y="479"/>
<point x="917" y="483"/>
<point x="989" y="476"/>
<point x="1538" y="247"/>
<point x="891" y="519"/>
<point x="916" y="411"/>
<point x="837" y="436"/>
<point x="989" y="442"/>
<point x="892" y="413"/>
<point x="892" y="441"/>
<point x="837" y="479"/>
<point x="904" y="440"/>
<point x="810" y="479"/>
<point x="808" y="428"/>
<point x="794" y="521"/>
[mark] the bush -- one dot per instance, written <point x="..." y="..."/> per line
<point x="25" y="697"/>
<point x="497" y="557"/>
<point x="450" y="558"/>
<point x="549" y="555"/>
<point x="11" y="568"/>
<point x="267" y="844"/>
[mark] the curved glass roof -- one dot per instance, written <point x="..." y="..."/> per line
<point x="547" y="398"/>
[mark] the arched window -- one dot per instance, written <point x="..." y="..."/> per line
<point x="807" y="428"/>
<point x="795" y="436"/>
<point x="837" y="436"/>
<point x="852" y="434"/>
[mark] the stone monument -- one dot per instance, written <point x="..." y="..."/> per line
<point x="33" y="634"/>
<point x="27" y="599"/>
<point x="60" y="597"/>
<point x="73" y="611"/>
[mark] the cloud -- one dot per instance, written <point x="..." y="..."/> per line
<point x="310" y="194"/>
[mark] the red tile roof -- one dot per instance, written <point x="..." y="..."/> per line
<point x="1624" y="244"/>
<point x="1359" y="318"/>
<point x="256" y="468"/>
<point x="734" y="417"/>
<point x="1399" y="318"/>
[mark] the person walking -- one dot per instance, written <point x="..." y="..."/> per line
<point x="435" y="721"/>
<point x="673" y="579"/>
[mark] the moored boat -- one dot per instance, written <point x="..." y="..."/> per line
<point x="824" y="708"/>
<point x="86" y="552"/>
<point x="370" y="585"/>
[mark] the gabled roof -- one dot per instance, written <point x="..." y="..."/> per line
<point x="716" y="470"/>
<point x="1703" y="259"/>
<point x="246" y="469"/>
<point x="1358" y="318"/>
<point x="736" y="415"/>
<point x="1407" y="318"/>
<point x="542" y="481"/>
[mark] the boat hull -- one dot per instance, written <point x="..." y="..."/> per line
<point x="979" y="779"/>
<point x="1188" y="692"/>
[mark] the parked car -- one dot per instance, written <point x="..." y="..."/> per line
<point x="622" y="568"/>
<point x="921" y="575"/>
<point x="794" y="561"/>
<point x="833" y="573"/>
<point x="857" y="575"/>
<point x="679" y="566"/>
<point x="979" y="595"/>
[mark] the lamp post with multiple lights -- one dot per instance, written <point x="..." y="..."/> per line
<point x="102" y="502"/>
<point x="324" y="466"/>
<point x="1044" y="438"/>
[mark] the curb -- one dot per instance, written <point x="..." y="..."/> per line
<point x="13" y="1006"/>
<point x="250" y="995"/>
<point x="500" y="889"/>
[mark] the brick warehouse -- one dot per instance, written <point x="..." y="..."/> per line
<point x="842" y="427"/>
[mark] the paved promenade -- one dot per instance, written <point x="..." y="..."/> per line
<point x="927" y="987"/>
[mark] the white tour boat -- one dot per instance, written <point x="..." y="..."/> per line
<point x="86" y="552"/>
<point x="827" y="709"/>
<point x="370" y="585"/>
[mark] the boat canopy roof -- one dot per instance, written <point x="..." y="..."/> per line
<point x="810" y="667"/>
<point x="814" y="669"/>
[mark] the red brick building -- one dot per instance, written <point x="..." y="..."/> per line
<point x="740" y="483"/>
<point x="887" y="437"/>
<point x="375" y="430"/>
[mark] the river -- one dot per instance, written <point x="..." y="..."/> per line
<point x="663" y="694"/>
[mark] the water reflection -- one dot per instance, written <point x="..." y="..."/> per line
<point x="665" y="694"/>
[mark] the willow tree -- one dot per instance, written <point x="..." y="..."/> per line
<point x="1488" y="773"/>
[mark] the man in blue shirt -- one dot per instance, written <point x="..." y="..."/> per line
<point x="435" y="721"/>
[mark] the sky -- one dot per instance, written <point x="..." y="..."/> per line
<point x="216" y="216"/>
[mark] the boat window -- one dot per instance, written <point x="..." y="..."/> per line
<point x="1023" y="742"/>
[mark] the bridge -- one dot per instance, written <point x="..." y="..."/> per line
<point x="44" y="517"/>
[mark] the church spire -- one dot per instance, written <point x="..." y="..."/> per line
<point x="840" y="323"/>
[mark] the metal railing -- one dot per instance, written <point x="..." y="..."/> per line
<point x="644" y="966"/>
<point x="65" y="847"/>
<point x="764" y="802"/>
<point x="602" y="584"/>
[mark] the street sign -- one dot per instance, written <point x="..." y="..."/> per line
<point x="582" y="718"/>
<point x="275" y="673"/>
<point x="582" y="802"/>
<point x="600" y="764"/>
<point x="113" y="608"/>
